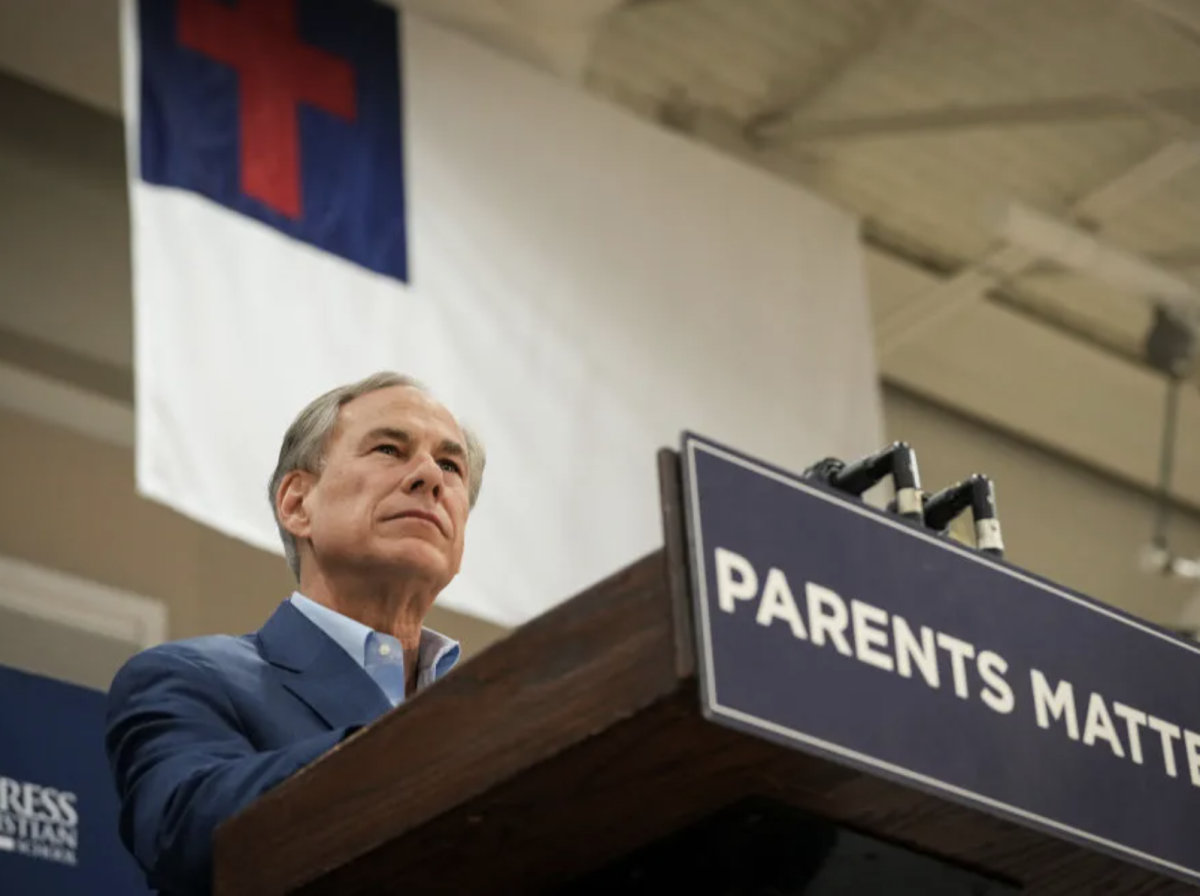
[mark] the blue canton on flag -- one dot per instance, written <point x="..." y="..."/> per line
<point x="288" y="111"/>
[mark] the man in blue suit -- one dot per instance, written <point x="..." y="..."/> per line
<point x="371" y="493"/>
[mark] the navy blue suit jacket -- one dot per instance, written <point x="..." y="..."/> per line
<point x="198" y="729"/>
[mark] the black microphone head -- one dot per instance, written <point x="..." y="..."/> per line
<point x="824" y="470"/>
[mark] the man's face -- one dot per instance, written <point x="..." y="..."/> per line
<point x="393" y="494"/>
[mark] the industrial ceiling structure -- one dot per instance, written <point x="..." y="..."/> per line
<point x="930" y="119"/>
<point x="1027" y="173"/>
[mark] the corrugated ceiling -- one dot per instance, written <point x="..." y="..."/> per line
<point x="883" y="105"/>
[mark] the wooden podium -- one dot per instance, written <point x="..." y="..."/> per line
<point x="573" y="757"/>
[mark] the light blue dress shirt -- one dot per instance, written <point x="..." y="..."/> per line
<point x="379" y="654"/>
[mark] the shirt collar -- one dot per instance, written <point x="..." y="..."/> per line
<point x="350" y="634"/>
<point x="438" y="653"/>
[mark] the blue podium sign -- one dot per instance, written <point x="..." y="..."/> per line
<point x="58" y="806"/>
<point x="846" y="632"/>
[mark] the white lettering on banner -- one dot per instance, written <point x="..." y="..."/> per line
<point x="890" y="643"/>
<point x="729" y="588"/>
<point x="861" y="631"/>
<point x="39" y="822"/>
<point x="998" y="694"/>
<point x="778" y="603"/>
<point x="866" y="638"/>
<point x="1099" y="726"/>
<point x="960" y="651"/>
<point x="909" y="651"/>
<point x="827" y="616"/>
<point x="1058" y="704"/>
<point x="1133" y="718"/>
<point x="1167" y="732"/>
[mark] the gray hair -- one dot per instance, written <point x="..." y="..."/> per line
<point x="306" y="440"/>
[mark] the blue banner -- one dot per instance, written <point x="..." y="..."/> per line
<point x="58" y="808"/>
<point x="844" y="631"/>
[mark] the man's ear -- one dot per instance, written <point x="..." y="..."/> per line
<point x="291" y="502"/>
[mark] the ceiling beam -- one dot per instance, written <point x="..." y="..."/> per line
<point x="555" y="36"/>
<point x="44" y="130"/>
<point x="946" y="300"/>
<point x="789" y="104"/>
<point x="67" y="405"/>
<point x="1084" y="253"/>
<point x="949" y="119"/>
<point x="53" y="362"/>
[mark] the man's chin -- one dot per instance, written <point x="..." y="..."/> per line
<point x="414" y="556"/>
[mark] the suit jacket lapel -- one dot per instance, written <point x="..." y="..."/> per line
<point x="318" y="671"/>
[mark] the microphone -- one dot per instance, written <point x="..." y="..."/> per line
<point x="977" y="494"/>
<point x="898" y="461"/>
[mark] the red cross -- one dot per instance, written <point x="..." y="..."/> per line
<point x="276" y="72"/>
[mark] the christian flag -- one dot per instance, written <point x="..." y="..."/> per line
<point x="324" y="188"/>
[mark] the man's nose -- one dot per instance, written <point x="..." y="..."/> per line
<point x="424" y="475"/>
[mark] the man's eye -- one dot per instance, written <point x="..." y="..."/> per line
<point x="388" y="449"/>
<point x="451" y="466"/>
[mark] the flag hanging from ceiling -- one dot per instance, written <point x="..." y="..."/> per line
<point x="324" y="189"/>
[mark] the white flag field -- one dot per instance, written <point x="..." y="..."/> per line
<point x="578" y="286"/>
